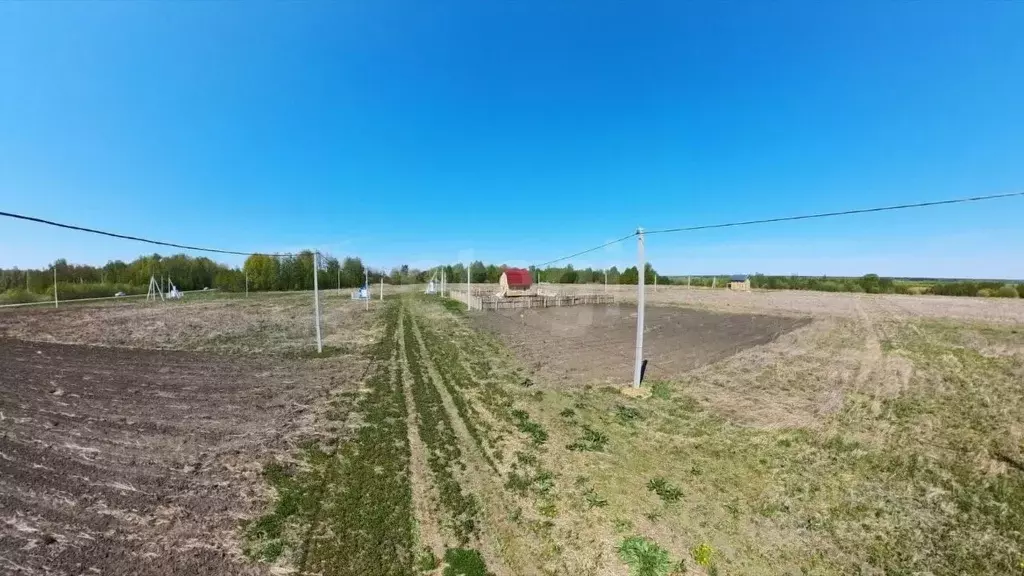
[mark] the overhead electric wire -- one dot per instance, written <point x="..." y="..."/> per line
<point x="588" y="250"/>
<point x="841" y="213"/>
<point x="135" y="238"/>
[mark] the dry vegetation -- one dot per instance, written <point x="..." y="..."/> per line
<point x="820" y="304"/>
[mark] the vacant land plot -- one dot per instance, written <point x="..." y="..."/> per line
<point x="137" y="462"/>
<point x="594" y="344"/>
<point x="820" y="304"/>
<point x="264" y="323"/>
<point x="119" y="460"/>
<point x="871" y="443"/>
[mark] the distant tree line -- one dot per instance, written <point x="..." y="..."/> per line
<point x="491" y="273"/>
<point x="295" y="272"/>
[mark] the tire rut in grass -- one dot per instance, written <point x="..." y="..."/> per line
<point x="349" y="512"/>
<point x="438" y="435"/>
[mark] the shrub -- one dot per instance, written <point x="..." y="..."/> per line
<point x="1020" y="290"/>
<point x="985" y="292"/>
<point x="19" y="296"/>
<point x="1007" y="291"/>
<point x="644" y="557"/>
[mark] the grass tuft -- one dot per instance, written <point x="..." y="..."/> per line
<point x="590" y="441"/>
<point x="644" y="557"/>
<point x="664" y="489"/>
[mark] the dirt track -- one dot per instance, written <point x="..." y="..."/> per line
<point x="588" y="344"/>
<point x="119" y="461"/>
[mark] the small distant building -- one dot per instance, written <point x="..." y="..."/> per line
<point x="739" y="282"/>
<point x="515" y="282"/>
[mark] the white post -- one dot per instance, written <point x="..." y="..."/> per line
<point x="339" y="279"/>
<point x="641" y="265"/>
<point x="382" y="287"/>
<point x="246" y="284"/>
<point x="605" y="280"/>
<point x="316" y="303"/>
<point x="366" y="282"/>
<point x="55" y="305"/>
<point x="469" y="303"/>
<point x="687" y="282"/>
<point x="655" y="281"/>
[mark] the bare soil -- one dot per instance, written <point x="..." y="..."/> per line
<point x="821" y="304"/>
<point x="280" y="324"/>
<point x="595" y="344"/>
<point x="119" y="461"/>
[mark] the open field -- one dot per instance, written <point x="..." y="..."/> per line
<point x="122" y="460"/>
<point x="280" y="323"/>
<point x="595" y="344"/>
<point x="806" y="302"/>
<point x="787" y="437"/>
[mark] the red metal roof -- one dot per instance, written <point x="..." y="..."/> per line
<point x="518" y="278"/>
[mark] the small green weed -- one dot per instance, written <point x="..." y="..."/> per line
<point x="644" y="557"/>
<point x="590" y="441"/>
<point x="536" y="432"/>
<point x="665" y="489"/>
<point x="594" y="500"/>
<point x="568" y="413"/>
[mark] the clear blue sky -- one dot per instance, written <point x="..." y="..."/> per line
<point x="420" y="132"/>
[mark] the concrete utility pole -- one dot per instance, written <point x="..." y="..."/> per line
<point x="316" y="303"/>
<point x="339" y="280"/>
<point x="637" y="366"/>
<point x="55" y="305"/>
<point x="605" y="280"/>
<point x="382" y="287"/>
<point x="366" y="282"/>
<point x="469" y="303"/>
<point x="246" y="284"/>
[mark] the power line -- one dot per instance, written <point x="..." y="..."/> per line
<point x="126" y="237"/>
<point x="588" y="250"/>
<point x="842" y="213"/>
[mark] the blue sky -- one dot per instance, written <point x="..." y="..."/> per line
<point x="518" y="132"/>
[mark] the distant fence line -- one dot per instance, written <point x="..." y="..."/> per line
<point x="525" y="302"/>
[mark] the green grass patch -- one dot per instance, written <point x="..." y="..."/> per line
<point x="437" y="433"/>
<point x="464" y="562"/>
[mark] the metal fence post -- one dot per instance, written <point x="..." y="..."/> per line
<point x="641" y="268"/>
<point x="316" y="302"/>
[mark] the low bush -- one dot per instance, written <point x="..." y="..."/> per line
<point x="1007" y="291"/>
<point x="20" y="296"/>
